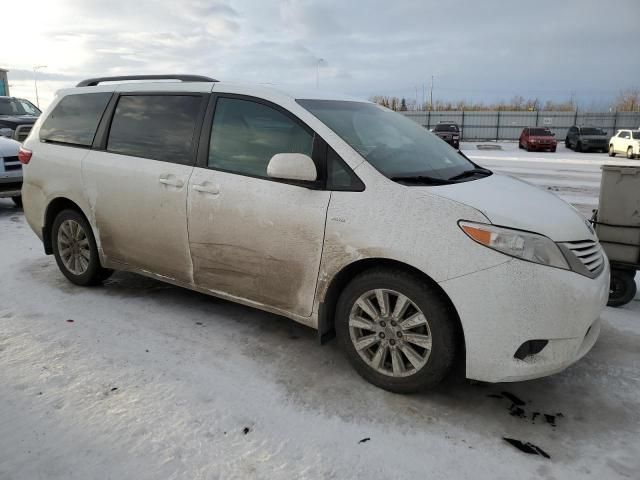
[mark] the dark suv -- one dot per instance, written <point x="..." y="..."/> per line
<point x="449" y="132"/>
<point x="583" y="139"/>
<point x="17" y="116"/>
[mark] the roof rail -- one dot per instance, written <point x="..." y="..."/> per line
<point x="92" y="82"/>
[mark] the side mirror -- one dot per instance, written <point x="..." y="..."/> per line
<point x="292" y="166"/>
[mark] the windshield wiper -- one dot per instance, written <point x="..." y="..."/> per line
<point x="422" y="179"/>
<point x="469" y="173"/>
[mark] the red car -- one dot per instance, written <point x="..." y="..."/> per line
<point x="538" y="139"/>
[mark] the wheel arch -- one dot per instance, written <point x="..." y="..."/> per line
<point x="54" y="207"/>
<point x="327" y="307"/>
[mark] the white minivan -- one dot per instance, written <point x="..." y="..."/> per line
<point x="332" y="211"/>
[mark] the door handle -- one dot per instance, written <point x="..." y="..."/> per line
<point x="204" y="188"/>
<point x="172" y="183"/>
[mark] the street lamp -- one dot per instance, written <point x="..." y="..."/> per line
<point x="35" y="81"/>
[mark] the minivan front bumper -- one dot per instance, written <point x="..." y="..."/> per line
<point x="503" y="307"/>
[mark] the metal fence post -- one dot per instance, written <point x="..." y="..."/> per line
<point x="428" y="119"/>
<point x="498" y="126"/>
<point x="462" y="127"/>
<point x="615" y="122"/>
<point x="575" y="117"/>
<point x="537" y="115"/>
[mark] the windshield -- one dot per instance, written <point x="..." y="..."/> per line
<point x="17" y="106"/>
<point x="446" y="127"/>
<point x="540" y="132"/>
<point x="636" y="135"/>
<point x="393" y="144"/>
<point x="592" y="131"/>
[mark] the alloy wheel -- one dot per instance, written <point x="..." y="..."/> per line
<point x="390" y="333"/>
<point x="73" y="247"/>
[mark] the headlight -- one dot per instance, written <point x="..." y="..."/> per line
<point x="6" y="132"/>
<point x="516" y="243"/>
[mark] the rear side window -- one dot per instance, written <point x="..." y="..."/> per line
<point x="75" y="118"/>
<point x="159" y="127"/>
<point x="247" y="134"/>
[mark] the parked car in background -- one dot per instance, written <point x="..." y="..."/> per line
<point x="537" y="138"/>
<point x="264" y="197"/>
<point x="17" y="116"/>
<point x="626" y="142"/>
<point x="584" y="139"/>
<point x="449" y="132"/>
<point x="10" y="170"/>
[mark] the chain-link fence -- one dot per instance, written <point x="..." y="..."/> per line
<point x="498" y="125"/>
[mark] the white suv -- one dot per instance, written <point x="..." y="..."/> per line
<point x="332" y="211"/>
<point x="626" y="142"/>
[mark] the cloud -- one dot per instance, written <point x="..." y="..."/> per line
<point x="476" y="50"/>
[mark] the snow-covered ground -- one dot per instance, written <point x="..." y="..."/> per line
<point x="139" y="379"/>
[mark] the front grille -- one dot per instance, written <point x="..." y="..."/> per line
<point x="11" y="164"/>
<point x="22" y="132"/>
<point x="589" y="252"/>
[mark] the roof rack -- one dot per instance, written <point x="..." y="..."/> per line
<point x="92" y="82"/>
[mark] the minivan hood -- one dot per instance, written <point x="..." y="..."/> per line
<point x="511" y="202"/>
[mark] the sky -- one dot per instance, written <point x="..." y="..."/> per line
<point x="475" y="50"/>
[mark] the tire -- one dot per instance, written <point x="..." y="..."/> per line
<point x="17" y="201"/>
<point x="553" y="149"/>
<point x="579" y="147"/>
<point x="82" y="267"/>
<point x="395" y="372"/>
<point x="566" y="143"/>
<point x="622" y="288"/>
<point x="630" y="153"/>
<point x="520" y="145"/>
<point x="612" y="152"/>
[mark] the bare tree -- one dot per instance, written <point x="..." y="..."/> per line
<point x="628" y="100"/>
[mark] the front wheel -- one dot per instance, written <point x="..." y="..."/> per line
<point x="566" y="143"/>
<point x="622" y="288"/>
<point x="396" y="330"/>
<point x="612" y="152"/>
<point x="630" y="153"/>
<point x="75" y="250"/>
<point x="17" y="201"/>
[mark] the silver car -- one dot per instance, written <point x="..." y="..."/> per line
<point x="10" y="170"/>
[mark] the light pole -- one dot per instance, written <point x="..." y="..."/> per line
<point x="320" y="61"/>
<point x="35" y="81"/>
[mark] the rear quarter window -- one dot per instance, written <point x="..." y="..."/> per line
<point x="75" y="118"/>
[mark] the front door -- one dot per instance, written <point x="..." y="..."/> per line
<point x="251" y="237"/>
<point x="137" y="188"/>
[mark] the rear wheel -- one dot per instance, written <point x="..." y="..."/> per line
<point x="396" y="330"/>
<point x="579" y="147"/>
<point x="630" y="153"/>
<point x="612" y="152"/>
<point x="622" y="288"/>
<point x="17" y="200"/>
<point x="75" y="250"/>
